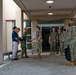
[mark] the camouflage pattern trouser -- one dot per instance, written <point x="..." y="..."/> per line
<point x="53" y="46"/>
<point x="61" y="47"/>
<point x="24" y="51"/>
<point x="57" y="47"/>
<point x="73" y="50"/>
<point x="39" y="47"/>
<point x="73" y="55"/>
<point x="23" y="46"/>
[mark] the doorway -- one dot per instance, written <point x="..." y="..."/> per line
<point x="45" y="37"/>
<point x="46" y="31"/>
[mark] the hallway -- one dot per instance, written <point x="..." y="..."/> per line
<point x="48" y="65"/>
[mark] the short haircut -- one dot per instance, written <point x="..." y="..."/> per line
<point x="18" y="28"/>
<point x="14" y="27"/>
<point x="37" y="27"/>
<point x="64" y="29"/>
<point x="25" y="28"/>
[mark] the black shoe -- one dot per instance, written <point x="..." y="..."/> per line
<point x="14" y="59"/>
<point x="18" y="58"/>
<point x="57" y="52"/>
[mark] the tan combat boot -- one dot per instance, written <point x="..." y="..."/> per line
<point x="23" y="56"/>
<point x="53" y="53"/>
<point x="50" y="53"/>
<point x="74" y="62"/>
<point x="71" y="63"/>
<point x="26" y="56"/>
<point x="38" y="56"/>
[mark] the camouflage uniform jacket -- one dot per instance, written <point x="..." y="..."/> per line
<point x="23" y="43"/>
<point x="70" y="37"/>
<point x="62" y="37"/>
<point x="53" y="37"/>
<point x="37" y="36"/>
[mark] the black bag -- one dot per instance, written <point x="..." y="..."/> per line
<point x="68" y="54"/>
<point x="20" y="39"/>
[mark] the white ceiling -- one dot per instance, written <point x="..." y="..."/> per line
<point x="40" y="7"/>
<point x="41" y="4"/>
<point x="55" y="13"/>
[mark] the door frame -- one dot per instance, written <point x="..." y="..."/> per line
<point x="50" y="25"/>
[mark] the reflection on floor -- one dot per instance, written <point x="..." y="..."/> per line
<point x="48" y="65"/>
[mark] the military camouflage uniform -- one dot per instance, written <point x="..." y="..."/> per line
<point x="39" y="44"/>
<point x="62" y="37"/>
<point x="58" y="42"/>
<point x="23" y="44"/>
<point x="53" y="37"/>
<point x="71" y="41"/>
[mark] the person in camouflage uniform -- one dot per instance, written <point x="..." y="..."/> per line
<point x="52" y="41"/>
<point x="58" y="41"/>
<point x="38" y="41"/>
<point x="62" y="37"/>
<point x="23" y="44"/>
<point x="71" y="42"/>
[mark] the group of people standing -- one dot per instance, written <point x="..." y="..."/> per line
<point x="56" y="41"/>
<point x="64" y="43"/>
<point x="60" y="42"/>
<point x="16" y="40"/>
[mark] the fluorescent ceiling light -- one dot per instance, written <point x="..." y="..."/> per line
<point x="49" y="1"/>
<point x="50" y="13"/>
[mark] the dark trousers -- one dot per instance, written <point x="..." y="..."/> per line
<point x="57" y="47"/>
<point x="68" y="54"/>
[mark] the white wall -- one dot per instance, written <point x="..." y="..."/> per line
<point x="10" y="12"/>
<point x="9" y="35"/>
<point x="4" y="36"/>
<point x="33" y="24"/>
<point x="75" y="16"/>
<point x="1" y="35"/>
<point x="18" y="21"/>
<point x="25" y="17"/>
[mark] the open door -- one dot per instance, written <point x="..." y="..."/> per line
<point x="46" y="31"/>
<point x="45" y="37"/>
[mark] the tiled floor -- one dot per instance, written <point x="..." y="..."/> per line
<point x="48" y="65"/>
